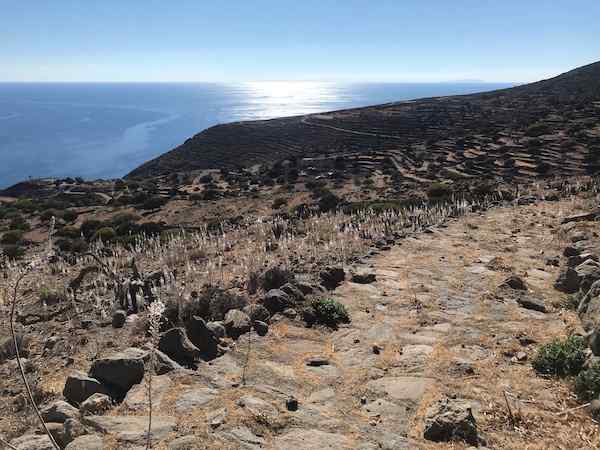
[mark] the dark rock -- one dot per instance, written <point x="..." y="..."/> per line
<point x="529" y="302"/>
<point x="589" y="272"/>
<point x="79" y="387"/>
<point x="317" y="361"/>
<point x="59" y="411"/>
<point x="217" y="329"/>
<point x="332" y="277"/>
<point x="162" y="363"/>
<point x="514" y="282"/>
<point x="176" y="345"/>
<point x="120" y="371"/>
<point x="580" y="217"/>
<point x="568" y="281"/>
<point x="276" y="301"/>
<point x="257" y="312"/>
<point x="363" y="277"/>
<point x="309" y="315"/>
<point x="595" y="409"/>
<point x="552" y="261"/>
<point x="290" y="313"/>
<point x="291" y="404"/>
<point x="119" y="318"/>
<point x="236" y="323"/>
<point x="96" y="404"/>
<point x="202" y="337"/>
<point x="261" y="327"/>
<point x="571" y="251"/>
<point x="594" y="342"/>
<point x="72" y="429"/>
<point x="306" y="288"/>
<point x="589" y="307"/>
<point x="275" y="277"/>
<point x="57" y="432"/>
<point x="450" y="420"/>
<point x="579" y="236"/>
<point x="7" y="347"/>
<point x="293" y="291"/>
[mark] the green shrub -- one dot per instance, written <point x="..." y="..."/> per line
<point x="587" y="383"/>
<point x="18" y="223"/>
<point x="89" y="227"/>
<point x="438" y="190"/>
<point x="330" y="312"/>
<point x="537" y="129"/>
<point x="13" y="251"/>
<point x="561" y="357"/>
<point x="12" y="237"/>
<point x="68" y="232"/>
<point x="25" y="204"/>
<point x="105" y="234"/>
<point x="69" y="215"/>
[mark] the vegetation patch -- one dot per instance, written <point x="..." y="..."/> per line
<point x="330" y="312"/>
<point x="561" y="358"/>
<point x="587" y="383"/>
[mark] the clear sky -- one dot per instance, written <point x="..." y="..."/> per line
<point x="338" y="40"/>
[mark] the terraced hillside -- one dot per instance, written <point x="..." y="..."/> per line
<point x="548" y="127"/>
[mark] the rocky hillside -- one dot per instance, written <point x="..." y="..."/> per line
<point x="548" y="127"/>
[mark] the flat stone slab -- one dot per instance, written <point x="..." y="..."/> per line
<point x="310" y="439"/>
<point x="243" y="437"/>
<point x="137" y="397"/>
<point x="132" y="429"/>
<point x="195" y="399"/>
<point x="401" y="388"/>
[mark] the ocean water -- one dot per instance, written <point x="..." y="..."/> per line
<point x="104" y="130"/>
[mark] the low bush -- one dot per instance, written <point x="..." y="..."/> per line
<point x="11" y="237"/>
<point x="275" y="277"/>
<point x="330" y="312"/>
<point x="105" y="234"/>
<point x="561" y="357"/>
<point x="18" y="223"/>
<point x="278" y="203"/>
<point x="13" y="251"/>
<point x="438" y="190"/>
<point x="587" y="383"/>
<point x="69" y="215"/>
<point x="154" y="203"/>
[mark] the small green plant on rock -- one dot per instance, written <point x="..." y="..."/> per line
<point x="587" y="383"/>
<point x="561" y="357"/>
<point x="330" y="312"/>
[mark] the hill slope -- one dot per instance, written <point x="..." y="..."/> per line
<point x="544" y="127"/>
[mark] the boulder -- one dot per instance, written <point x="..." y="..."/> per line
<point x="59" y="411"/>
<point x="450" y="420"/>
<point x="72" y="429"/>
<point x="514" y="282"/>
<point x="236" y="323"/>
<point x="57" y="432"/>
<point x="568" y="281"/>
<point x="293" y="291"/>
<point x="121" y="370"/>
<point x="185" y="443"/>
<point x="79" y="387"/>
<point x="275" y="277"/>
<point x="261" y="328"/>
<point x="96" y="404"/>
<point x="582" y="217"/>
<point x="162" y="363"/>
<point x="588" y="272"/>
<point x="202" y="337"/>
<point x="175" y="344"/>
<point x="33" y="442"/>
<point x="363" y="277"/>
<point x="119" y="318"/>
<point x="257" y="312"/>
<point x="87" y="442"/>
<point x="217" y="329"/>
<point x="132" y="429"/>
<point x="529" y="302"/>
<point x="276" y="301"/>
<point x="332" y="277"/>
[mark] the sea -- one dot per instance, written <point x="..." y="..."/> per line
<point x="104" y="130"/>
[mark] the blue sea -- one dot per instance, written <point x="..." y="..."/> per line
<point x="104" y="130"/>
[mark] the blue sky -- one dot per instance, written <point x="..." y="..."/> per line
<point x="344" y="40"/>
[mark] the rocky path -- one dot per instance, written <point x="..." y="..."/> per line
<point x="434" y="325"/>
<point x="437" y="334"/>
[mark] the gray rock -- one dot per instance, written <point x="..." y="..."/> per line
<point x="121" y="370"/>
<point x="290" y="313"/>
<point x="450" y="420"/>
<point x="79" y="387"/>
<point x="568" y="281"/>
<point x="217" y="329"/>
<point x="132" y="429"/>
<point x="243" y="437"/>
<point x="595" y="409"/>
<point x="261" y="328"/>
<point x="363" y="277"/>
<point x="589" y="272"/>
<point x="276" y="301"/>
<point x="33" y="442"/>
<point x="185" y="443"/>
<point x="257" y="312"/>
<point x="203" y="338"/>
<point x="216" y="418"/>
<point x="529" y="302"/>
<point x="57" y="432"/>
<point x="258" y="407"/>
<point x="582" y="217"/>
<point x="514" y="282"/>
<point x="594" y="342"/>
<point x="311" y="439"/>
<point x="137" y="397"/>
<point x="332" y="277"/>
<point x="72" y="429"/>
<point x="59" y="411"/>
<point x="571" y="251"/>
<point x="88" y="442"/>
<point x="293" y="291"/>
<point x="96" y="404"/>
<point x="195" y="399"/>
<point x="176" y="345"/>
<point x="119" y="318"/>
<point x="589" y="307"/>
<point x="236" y="323"/>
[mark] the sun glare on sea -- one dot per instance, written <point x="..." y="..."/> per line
<point x="288" y="98"/>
